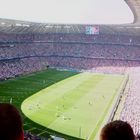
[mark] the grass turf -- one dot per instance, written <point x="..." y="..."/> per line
<point x="22" y="87"/>
<point x="76" y="105"/>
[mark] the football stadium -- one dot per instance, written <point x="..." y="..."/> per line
<point x="69" y="80"/>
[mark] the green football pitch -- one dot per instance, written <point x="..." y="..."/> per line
<point x="70" y="103"/>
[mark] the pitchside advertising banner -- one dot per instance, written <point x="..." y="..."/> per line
<point x="92" y="30"/>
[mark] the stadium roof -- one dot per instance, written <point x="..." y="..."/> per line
<point x="67" y="11"/>
<point x="24" y="27"/>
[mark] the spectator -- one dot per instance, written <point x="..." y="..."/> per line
<point x="117" y="130"/>
<point x="10" y="123"/>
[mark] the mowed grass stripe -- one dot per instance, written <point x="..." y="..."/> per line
<point x="114" y="85"/>
<point x="53" y="97"/>
<point x="85" y="116"/>
<point x="19" y="91"/>
<point x="70" y="98"/>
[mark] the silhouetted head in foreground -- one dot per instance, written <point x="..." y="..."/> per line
<point x="10" y="123"/>
<point x="117" y="130"/>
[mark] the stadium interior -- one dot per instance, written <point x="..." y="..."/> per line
<point x="34" y="56"/>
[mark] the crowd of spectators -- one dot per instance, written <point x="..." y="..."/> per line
<point x="75" y="50"/>
<point x="23" y="54"/>
<point x="90" y="51"/>
<point x="16" y="67"/>
<point x="131" y="108"/>
<point x="27" y="57"/>
<point x="30" y="136"/>
<point x="64" y="37"/>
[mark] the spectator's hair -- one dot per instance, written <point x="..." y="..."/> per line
<point x="117" y="130"/>
<point x="10" y="123"/>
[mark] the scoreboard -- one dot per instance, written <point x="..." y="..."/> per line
<point x="91" y="30"/>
